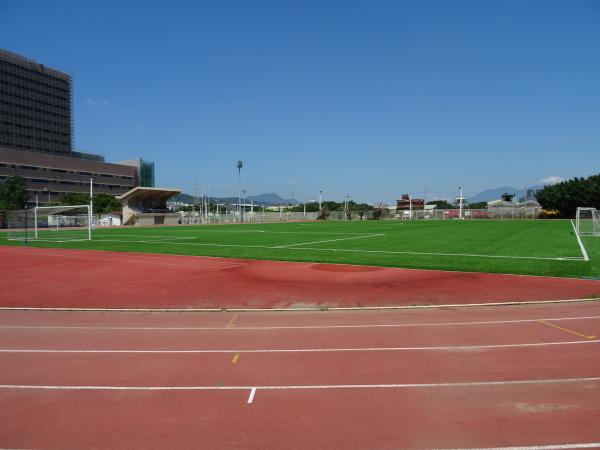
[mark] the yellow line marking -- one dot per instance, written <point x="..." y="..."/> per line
<point x="231" y="322"/>
<point x="567" y="330"/>
<point x="235" y="358"/>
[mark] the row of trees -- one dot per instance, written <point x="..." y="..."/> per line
<point x="443" y="204"/>
<point x="566" y="196"/>
<point x="13" y="195"/>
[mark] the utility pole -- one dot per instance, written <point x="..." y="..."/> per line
<point x="460" y="203"/>
<point x="239" y="166"/>
<point x="320" y="201"/>
<point x="243" y="203"/>
<point x="91" y="209"/>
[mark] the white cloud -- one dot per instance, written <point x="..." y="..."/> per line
<point x="552" y="179"/>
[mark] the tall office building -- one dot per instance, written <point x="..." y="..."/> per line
<point x="36" y="137"/>
<point x="35" y="106"/>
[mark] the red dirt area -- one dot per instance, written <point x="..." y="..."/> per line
<point x="100" y="279"/>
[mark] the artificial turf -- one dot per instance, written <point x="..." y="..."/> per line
<point x="533" y="247"/>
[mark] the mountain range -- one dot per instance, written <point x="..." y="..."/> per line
<point x="494" y="194"/>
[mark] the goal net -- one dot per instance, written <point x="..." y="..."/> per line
<point x="588" y="222"/>
<point x="50" y="223"/>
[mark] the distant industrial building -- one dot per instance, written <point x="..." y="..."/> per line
<point x="36" y="137"/>
<point x="145" y="171"/>
<point x="406" y="203"/>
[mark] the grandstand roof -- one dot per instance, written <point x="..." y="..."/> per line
<point x="145" y="193"/>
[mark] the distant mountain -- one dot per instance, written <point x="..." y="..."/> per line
<point x="260" y="199"/>
<point x="271" y="199"/>
<point x="495" y="194"/>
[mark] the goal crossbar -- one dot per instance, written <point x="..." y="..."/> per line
<point x="55" y="223"/>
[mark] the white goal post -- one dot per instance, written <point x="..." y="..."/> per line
<point x="587" y="222"/>
<point x="51" y="223"/>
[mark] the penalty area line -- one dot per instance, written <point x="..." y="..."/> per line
<point x="331" y="240"/>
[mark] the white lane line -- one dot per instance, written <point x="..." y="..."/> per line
<point x="331" y="240"/>
<point x="300" y="350"/>
<point x="299" y="387"/>
<point x="252" y="393"/>
<point x="581" y="246"/>
<point x="536" y="447"/>
<point x="286" y="327"/>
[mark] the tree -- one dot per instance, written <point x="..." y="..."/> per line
<point x="442" y="204"/>
<point x="13" y="193"/>
<point x="380" y="210"/>
<point x="105" y="203"/>
<point x="566" y="196"/>
<point x="75" y="198"/>
<point x="478" y="205"/>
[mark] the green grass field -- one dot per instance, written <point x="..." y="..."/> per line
<point x="519" y="247"/>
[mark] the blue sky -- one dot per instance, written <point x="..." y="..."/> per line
<point x="371" y="98"/>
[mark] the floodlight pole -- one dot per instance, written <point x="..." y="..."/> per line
<point x="240" y="164"/>
<point x="320" y="200"/>
<point x="410" y="207"/>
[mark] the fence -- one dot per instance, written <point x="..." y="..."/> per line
<point x="469" y="214"/>
<point x="197" y="218"/>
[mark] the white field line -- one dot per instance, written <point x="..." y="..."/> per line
<point x="301" y="387"/>
<point x="145" y="236"/>
<point x="581" y="246"/>
<point x="288" y="327"/>
<point x="303" y="350"/>
<point x="304" y="232"/>
<point x="536" y="447"/>
<point x="331" y="240"/>
<point x="564" y="258"/>
<point x="471" y="255"/>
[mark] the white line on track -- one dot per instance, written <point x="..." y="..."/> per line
<point x="287" y="327"/>
<point x="252" y="394"/>
<point x="303" y="350"/>
<point x="331" y="240"/>
<point x="299" y="387"/>
<point x="536" y="447"/>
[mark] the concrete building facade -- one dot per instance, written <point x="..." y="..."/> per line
<point x="36" y="136"/>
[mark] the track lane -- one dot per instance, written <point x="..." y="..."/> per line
<point x="361" y="318"/>
<point x="284" y="338"/>
<point x="298" y="420"/>
<point x="321" y="368"/>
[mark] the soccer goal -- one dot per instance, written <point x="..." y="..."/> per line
<point x="51" y="223"/>
<point x="588" y="222"/>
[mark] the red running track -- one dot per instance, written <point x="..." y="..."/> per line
<point x="98" y="279"/>
<point x="510" y="376"/>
